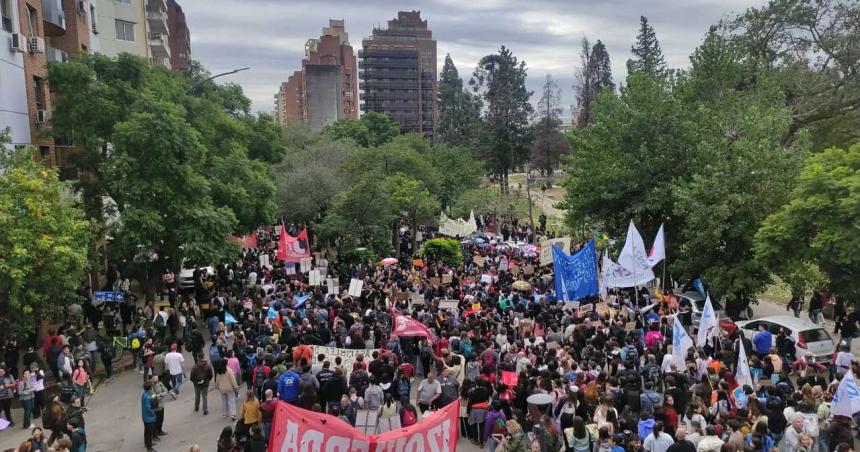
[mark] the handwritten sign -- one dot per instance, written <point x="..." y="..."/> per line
<point x="332" y="284"/>
<point x="355" y="286"/>
<point x="447" y="278"/>
<point x="416" y="299"/>
<point x="546" y="248"/>
<point x="314" y="278"/>
<point x="448" y="304"/>
<point x="435" y="282"/>
<point x="528" y="270"/>
<point x="479" y="261"/>
<point x="305" y="264"/>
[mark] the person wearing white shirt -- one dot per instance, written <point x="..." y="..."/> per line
<point x="658" y="441"/>
<point x="173" y="361"/>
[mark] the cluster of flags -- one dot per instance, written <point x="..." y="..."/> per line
<point x="634" y="266"/>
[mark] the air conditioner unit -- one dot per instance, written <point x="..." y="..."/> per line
<point x="41" y="117"/>
<point x="37" y="44"/>
<point x="19" y="42"/>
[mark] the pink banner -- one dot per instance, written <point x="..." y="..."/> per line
<point x="293" y="249"/>
<point x="407" y="326"/>
<point x="298" y="430"/>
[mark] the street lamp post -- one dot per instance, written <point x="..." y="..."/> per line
<point x="194" y="86"/>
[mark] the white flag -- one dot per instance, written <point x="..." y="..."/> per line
<point x="846" y="401"/>
<point x="633" y="256"/>
<point x="707" y="325"/>
<point x="681" y="342"/>
<point x="658" y="249"/>
<point x="742" y="374"/>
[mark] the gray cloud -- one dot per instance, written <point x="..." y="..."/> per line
<point x="269" y="35"/>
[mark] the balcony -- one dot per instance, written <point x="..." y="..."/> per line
<point x="163" y="62"/>
<point x="157" y="21"/>
<point x="158" y="45"/>
<point x="56" y="55"/>
<point x="387" y="52"/>
<point x="53" y="17"/>
<point x="396" y="73"/>
<point x="156" y="5"/>
<point x="391" y="63"/>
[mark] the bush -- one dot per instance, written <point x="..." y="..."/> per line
<point x="358" y="256"/>
<point x="446" y="250"/>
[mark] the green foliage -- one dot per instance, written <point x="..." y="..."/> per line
<point x="373" y="129"/>
<point x="185" y="169"/>
<point x="819" y="224"/>
<point x="446" y="250"/>
<point x="593" y="76"/>
<point x="459" y="111"/>
<point x="549" y="144"/>
<point x="43" y="244"/>
<point x="500" y="82"/>
<point x="358" y="256"/>
<point x="647" y="55"/>
<point x="457" y="172"/>
<point x="490" y="200"/>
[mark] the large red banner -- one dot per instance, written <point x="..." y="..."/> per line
<point x="298" y="430"/>
<point x="293" y="249"/>
<point x="407" y="326"/>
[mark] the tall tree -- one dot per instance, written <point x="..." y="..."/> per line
<point x="593" y="75"/>
<point x="43" y="246"/>
<point x="647" y="55"/>
<point x="549" y="144"/>
<point x="459" y="110"/>
<point x="372" y="129"/>
<point x="500" y="81"/>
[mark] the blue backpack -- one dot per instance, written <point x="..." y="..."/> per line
<point x="403" y="387"/>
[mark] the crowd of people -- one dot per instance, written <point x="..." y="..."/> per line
<point x="604" y="368"/>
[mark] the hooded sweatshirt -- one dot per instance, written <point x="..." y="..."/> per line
<point x="646" y="427"/>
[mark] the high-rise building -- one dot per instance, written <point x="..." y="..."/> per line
<point x="139" y="27"/>
<point x="180" y="37"/>
<point x="398" y="73"/>
<point x="14" y="109"/>
<point x="324" y="89"/>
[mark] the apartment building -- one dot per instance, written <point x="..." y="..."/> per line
<point x="14" y="109"/>
<point x="180" y="37"/>
<point x="398" y="73"/>
<point x="324" y="90"/>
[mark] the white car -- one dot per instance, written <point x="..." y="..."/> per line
<point x="697" y="302"/>
<point x="807" y="336"/>
<point x="186" y="276"/>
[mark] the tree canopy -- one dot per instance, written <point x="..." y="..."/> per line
<point x="459" y="110"/>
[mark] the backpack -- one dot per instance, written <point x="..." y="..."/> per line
<point x="653" y="374"/>
<point x="159" y="321"/>
<point x="403" y="387"/>
<point x="466" y="346"/>
<point x="260" y="376"/>
<point x="499" y="427"/>
<point x="135" y="343"/>
<point x="409" y="418"/>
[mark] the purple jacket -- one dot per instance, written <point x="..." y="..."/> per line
<point x="492" y="417"/>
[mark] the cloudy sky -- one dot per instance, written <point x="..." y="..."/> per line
<point x="269" y="35"/>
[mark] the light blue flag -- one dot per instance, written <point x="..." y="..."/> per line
<point x="272" y="313"/>
<point x="576" y="275"/>
<point x="299" y="300"/>
<point x="229" y="319"/>
<point x="681" y="342"/>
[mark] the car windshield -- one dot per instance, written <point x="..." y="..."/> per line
<point x="816" y="335"/>
<point x="701" y="305"/>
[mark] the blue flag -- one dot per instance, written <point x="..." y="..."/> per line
<point x="299" y="300"/>
<point x="273" y="314"/>
<point x="575" y="275"/>
<point x="700" y="286"/>
<point x="229" y="319"/>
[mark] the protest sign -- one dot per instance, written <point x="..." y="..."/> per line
<point x="332" y="284"/>
<point x="355" y="286"/>
<point x="417" y="262"/>
<point x="435" y="282"/>
<point x="448" y="304"/>
<point x="479" y="261"/>
<point x="347" y="355"/>
<point x="305" y="264"/>
<point x="401" y="296"/>
<point x="264" y="260"/>
<point x="314" y="278"/>
<point x="416" y="299"/>
<point x="447" y="278"/>
<point x="546" y="248"/>
<point x="295" y="430"/>
<point x="529" y="270"/>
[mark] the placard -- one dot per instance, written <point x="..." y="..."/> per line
<point x="416" y="299"/>
<point x="264" y="260"/>
<point x="355" y="286"/>
<point x="486" y="279"/>
<point x="449" y="304"/>
<point x="305" y="264"/>
<point x="479" y="261"/>
<point x="401" y="296"/>
<point x="435" y="282"/>
<point x="515" y="269"/>
<point x="586" y="307"/>
<point x="332" y="284"/>
<point x="503" y="263"/>
<point x="290" y="269"/>
<point x="571" y="305"/>
<point x="528" y="270"/>
<point x="314" y="278"/>
<point x="447" y="278"/>
<point x="347" y="356"/>
<point x="417" y="262"/>
<point x="476" y="306"/>
<point x="546" y="248"/>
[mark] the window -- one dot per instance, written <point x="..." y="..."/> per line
<point x="39" y="91"/>
<point x="124" y="30"/>
<point x="93" y="20"/>
<point x="6" y="15"/>
<point x="33" y="21"/>
<point x="45" y="152"/>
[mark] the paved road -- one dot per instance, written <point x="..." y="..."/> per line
<point x="113" y="421"/>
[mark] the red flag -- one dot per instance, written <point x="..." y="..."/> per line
<point x="407" y="326"/>
<point x="293" y="249"/>
<point x="249" y="241"/>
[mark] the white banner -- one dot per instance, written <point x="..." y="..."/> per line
<point x="457" y="227"/>
<point x="546" y="248"/>
<point x="347" y="356"/>
<point x="615" y="275"/>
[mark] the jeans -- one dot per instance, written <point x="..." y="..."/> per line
<point x="492" y="444"/>
<point x="213" y="326"/>
<point x="228" y="404"/>
<point x="80" y="391"/>
<point x="38" y="403"/>
<point x="201" y="391"/>
<point x="267" y="430"/>
<point x="108" y="363"/>
<point x="177" y="381"/>
<point x="815" y="316"/>
<point x="148" y="434"/>
<point x="93" y="360"/>
<point x="159" y="421"/>
<point x="28" y="411"/>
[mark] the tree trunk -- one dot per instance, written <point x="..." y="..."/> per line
<point x="414" y="221"/>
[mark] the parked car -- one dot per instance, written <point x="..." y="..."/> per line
<point x="697" y="302"/>
<point x="807" y="336"/>
<point x="186" y="277"/>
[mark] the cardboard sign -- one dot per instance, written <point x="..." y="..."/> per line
<point x="401" y="296"/>
<point x="355" y="286"/>
<point x="435" y="282"/>
<point x="479" y="261"/>
<point x="416" y="299"/>
<point x="586" y="308"/>
<point x="515" y="270"/>
<point x="447" y="278"/>
<point x="546" y="248"/>
<point x="290" y="269"/>
<point x="305" y="264"/>
<point x="314" y="278"/>
<point x="448" y="304"/>
<point x="417" y="262"/>
<point x="571" y="305"/>
<point x="528" y="270"/>
<point x="332" y="284"/>
<point x="264" y="260"/>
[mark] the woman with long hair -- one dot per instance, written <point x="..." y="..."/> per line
<point x="250" y="412"/>
<point x="389" y="418"/>
<point x="81" y="378"/>
<point x="225" y="441"/>
<point x="577" y="438"/>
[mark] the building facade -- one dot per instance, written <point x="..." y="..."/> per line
<point x="398" y="73"/>
<point x="14" y="109"/>
<point x="325" y="89"/>
<point x="180" y="37"/>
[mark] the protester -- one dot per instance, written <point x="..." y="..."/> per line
<point x="201" y="374"/>
<point x="147" y="406"/>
